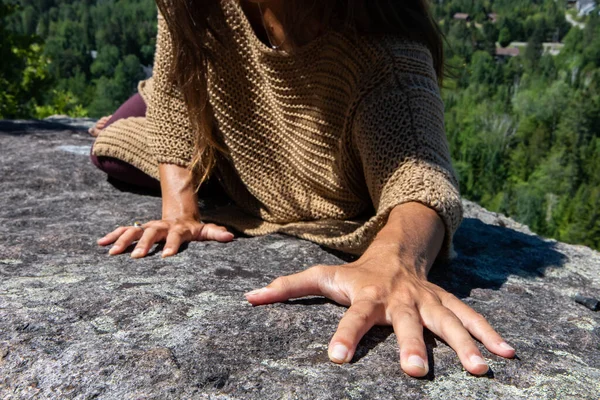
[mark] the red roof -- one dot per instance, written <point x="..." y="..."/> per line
<point x="507" y="51"/>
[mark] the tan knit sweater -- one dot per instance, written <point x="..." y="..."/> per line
<point x="324" y="143"/>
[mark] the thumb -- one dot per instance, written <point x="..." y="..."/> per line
<point x="214" y="232"/>
<point x="306" y="283"/>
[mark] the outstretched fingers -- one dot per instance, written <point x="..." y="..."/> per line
<point x="127" y="237"/>
<point x="409" y="333"/>
<point x="173" y="243"/>
<point x="113" y="236"/>
<point x="446" y="325"/>
<point x="477" y="325"/>
<point x="355" y="323"/>
<point x="149" y="239"/>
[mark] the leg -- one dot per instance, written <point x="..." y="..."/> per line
<point x="133" y="107"/>
<point x="125" y="172"/>
<point x="120" y="170"/>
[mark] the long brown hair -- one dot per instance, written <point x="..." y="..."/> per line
<point x="189" y="22"/>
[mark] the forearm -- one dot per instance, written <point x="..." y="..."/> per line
<point x="414" y="233"/>
<point x="179" y="197"/>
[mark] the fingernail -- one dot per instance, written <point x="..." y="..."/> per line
<point x="113" y="249"/>
<point x="416" y="361"/>
<point x="478" y="360"/>
<point x="136" y="253"/>
<point x="226" y="236"/>
<point x="255" y="292"/>
<point x="339" y="352"/>
<point x="167" y="252"/>
<point x="506" y="346"/>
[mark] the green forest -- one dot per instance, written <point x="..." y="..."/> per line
<point x="524" y="129"/>
<point x="74" y="57"/>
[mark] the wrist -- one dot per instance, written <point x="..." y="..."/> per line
<point x="413" y="234"/>
<point x="397" y="256"/>
<point x="179" y="197"/>
<point x="181" y="213"/>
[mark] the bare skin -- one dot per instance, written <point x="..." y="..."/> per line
<point x="180" y="221"/>
<point x="387" y="285"/>
<point x="100" y="124"/>
<point x="272" y="15"/>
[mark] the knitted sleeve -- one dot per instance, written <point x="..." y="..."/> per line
<point x="400" y="139"/>
<point x="171" y="137"/>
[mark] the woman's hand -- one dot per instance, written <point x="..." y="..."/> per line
<point x="175" y="231"/>
<point x="180" y="219"/>
<point x="381" y="290"/>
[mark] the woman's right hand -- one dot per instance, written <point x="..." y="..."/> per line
<point x="174" y="231"/>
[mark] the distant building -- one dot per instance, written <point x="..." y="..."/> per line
<point x="505" y="52"/>
<point x="584" y="7"/>
<point x="462" y="17"/>
<point x="493" y="17"/>
<point x="552" y="48"/>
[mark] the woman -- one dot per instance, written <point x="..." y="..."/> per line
<point x="323" y="122"/>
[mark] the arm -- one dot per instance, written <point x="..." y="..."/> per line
<point x="387" y="285"/>
<point x="171" y="139"/>
<point x="179" y="197"/>
<point x="400" y="142"/>
<point x="414" y="232"/>
<point x="180" y="219"/>
<point x="180" y="215"/>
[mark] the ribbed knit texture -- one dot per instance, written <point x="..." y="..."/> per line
<point x="324" y="143"/>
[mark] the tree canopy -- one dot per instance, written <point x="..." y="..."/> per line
<point x="524" y="130"/>
<point x="92" y="51"/>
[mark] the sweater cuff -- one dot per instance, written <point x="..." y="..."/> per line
<point x="428" y="184"/>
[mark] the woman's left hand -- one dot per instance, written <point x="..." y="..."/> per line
<point x="380" y="290"/>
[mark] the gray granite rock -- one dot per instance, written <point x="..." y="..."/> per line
<point x="78" y="324"/>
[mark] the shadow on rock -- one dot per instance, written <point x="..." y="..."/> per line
<point x="126" y="187"/>
<point x="24" y="127"/>
<point x="372" y="339"/>
<point x="310" y="301"/>
<point x="489" y="254"/>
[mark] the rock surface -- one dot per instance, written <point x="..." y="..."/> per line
<point x="76" y="323"/>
